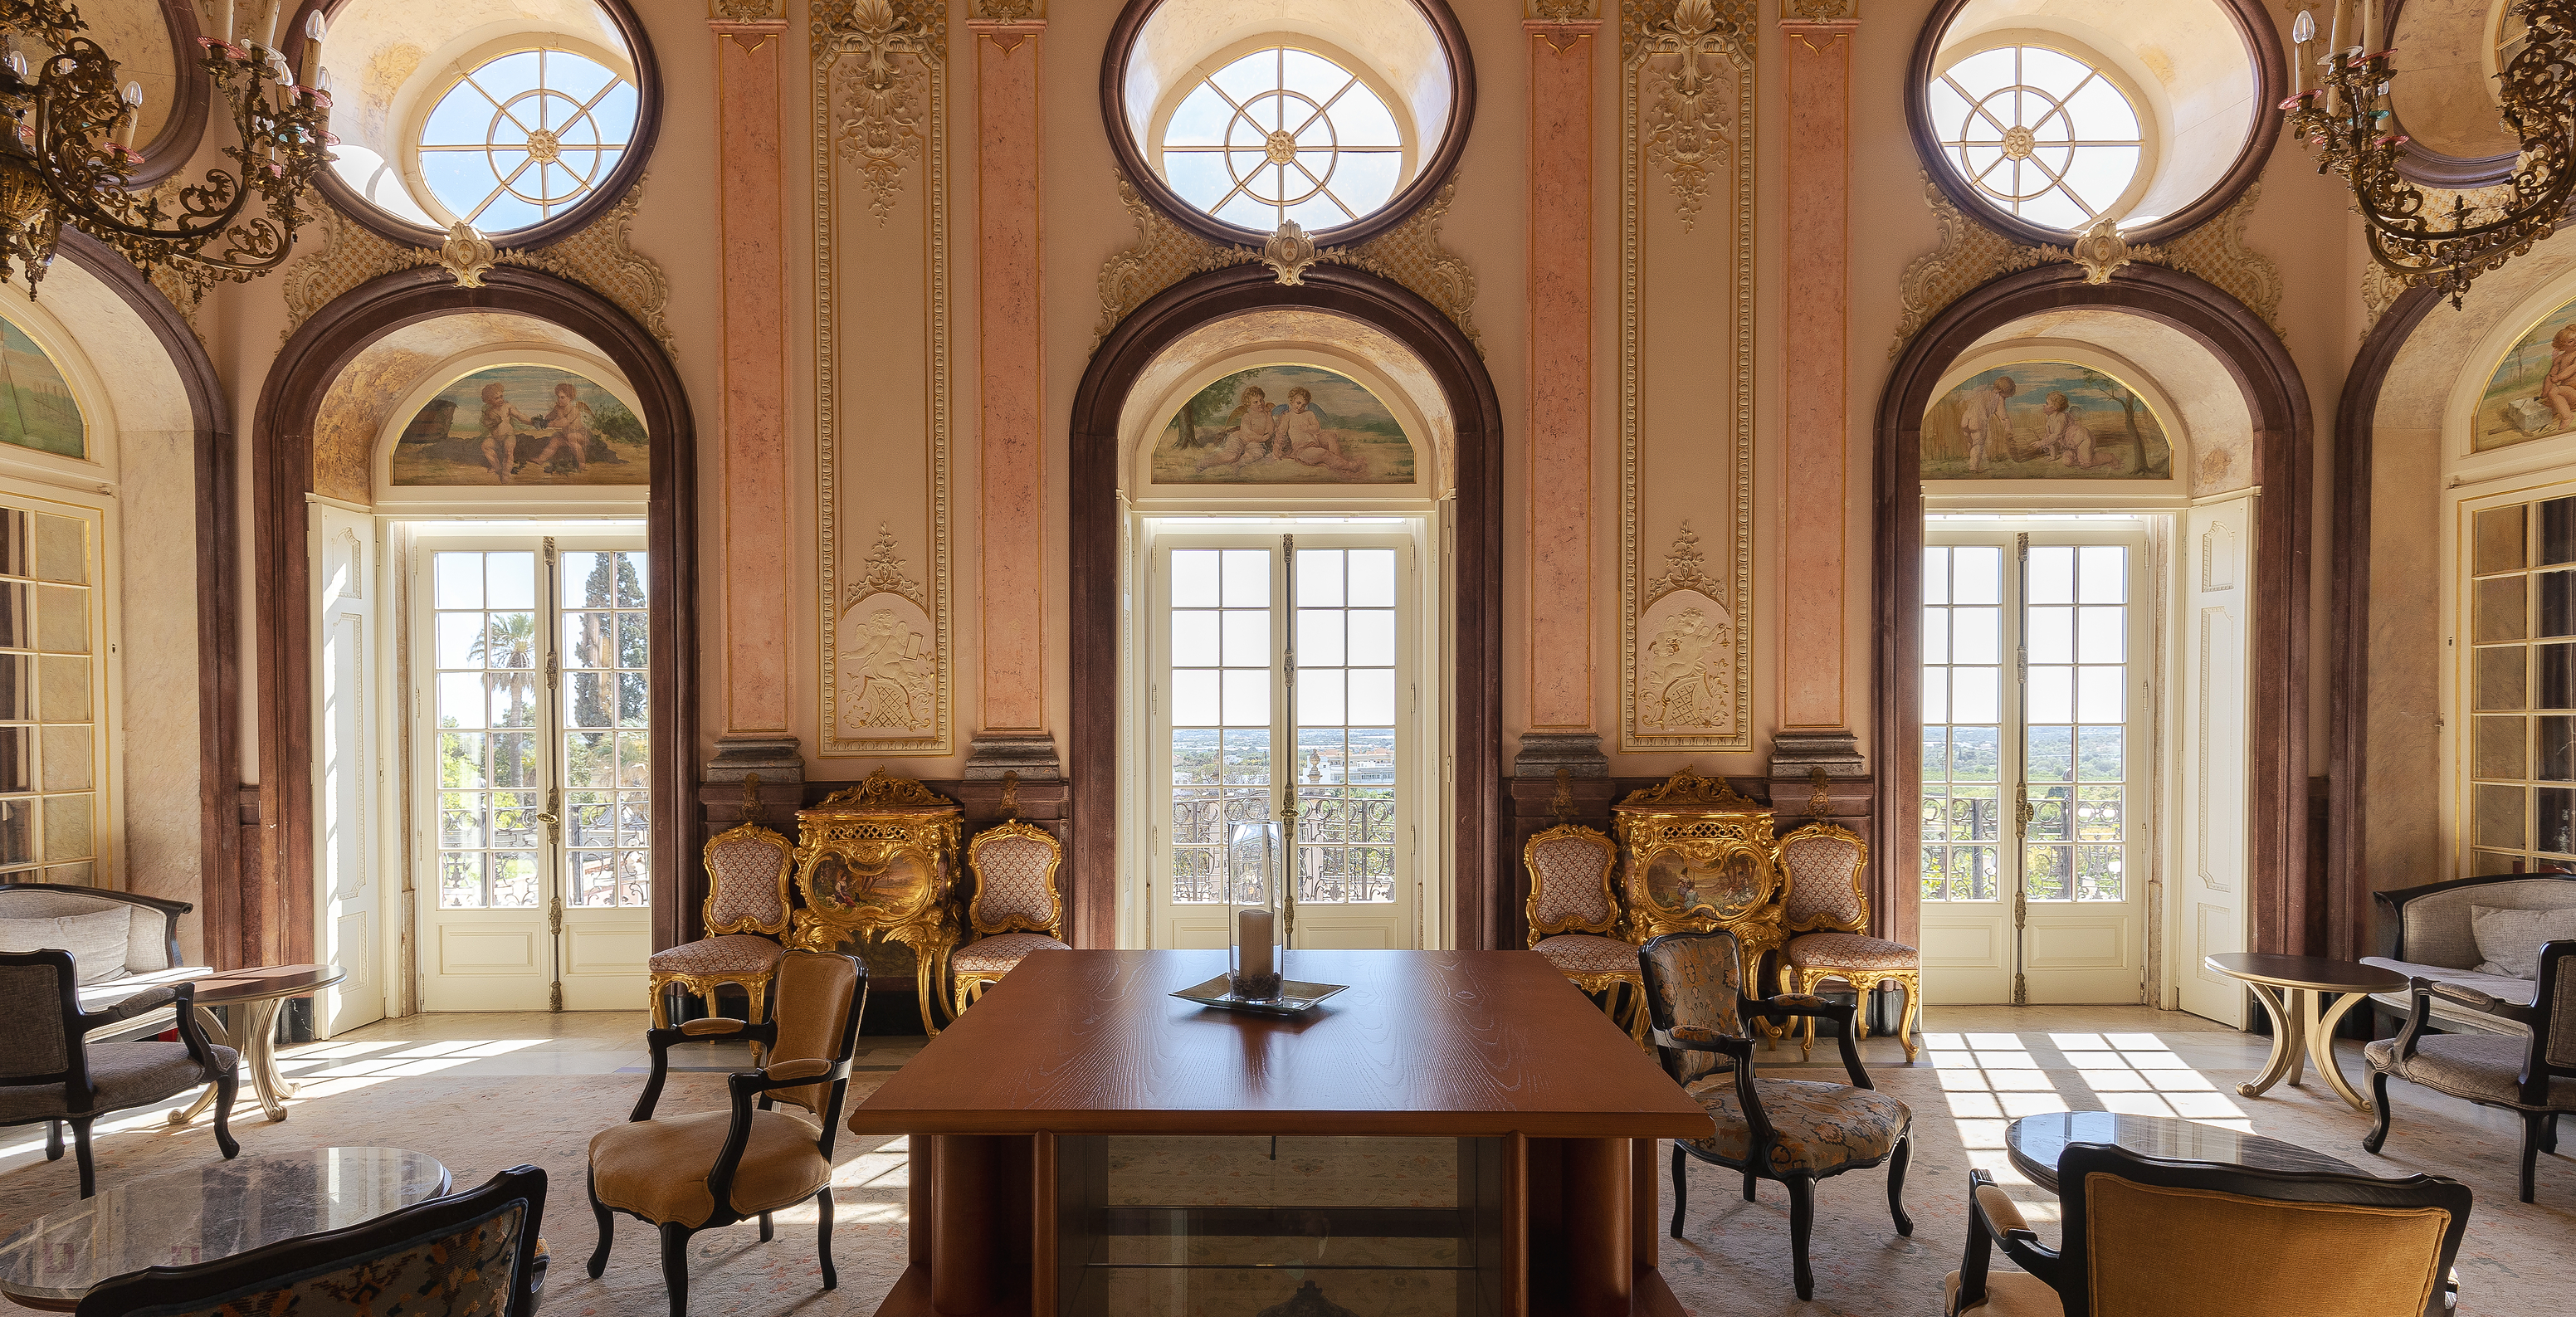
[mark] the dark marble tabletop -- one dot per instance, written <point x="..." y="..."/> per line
<point x="2036" y="1141"/>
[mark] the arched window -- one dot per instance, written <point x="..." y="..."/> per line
<point x="2045" y="136"/>
<point x="1284" y="134"/>
<point x="524" y="136"/>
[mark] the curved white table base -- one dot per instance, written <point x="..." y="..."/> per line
<point x="2300" y="1035"/>
<point x="258" y="1048"/>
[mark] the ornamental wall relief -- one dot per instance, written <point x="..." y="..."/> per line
<point x="1686" y="374"/>
<point x="880" y="184"/>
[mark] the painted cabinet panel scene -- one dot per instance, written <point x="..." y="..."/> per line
<point x="523" y="425"/>
<point x="1283" y="425"/>
<point x="2044" y="420"/>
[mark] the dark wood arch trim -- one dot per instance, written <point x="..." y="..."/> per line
<point x="2271" y="71"/>
<point x="2348" y="626"/>
<point x="630" y="167"/>
<point x="2289" y="915"/>
<point x="218" y="646"/>
<point x="181" y="133"/>
<point x="282" y="469"/>
<point x="1433" y="174"/>
<point x="1097" y="586"/>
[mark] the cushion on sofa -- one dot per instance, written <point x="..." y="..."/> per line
<point x="96" y="939"/>
<point x="2509" y="940"/>
<point x="2448" y="1014"/>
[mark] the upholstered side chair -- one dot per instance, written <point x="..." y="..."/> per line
<point x="2254" y="1241"/>
<point x="1795" y="1131"/>
<point x="2531" y="1074"/>
<point x="746" y="912"/>
<point x="1826" y="913"/>
<point x="51" y="1071"/>
<point x="473" y="1252"/>
<point x="1016" y="909"/>
<point x="1575" y="920"/>
<point x="711" y="1169"/>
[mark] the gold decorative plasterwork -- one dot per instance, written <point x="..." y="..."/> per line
<point x="883" y="789"/>
<point x="1824" y="11"/>
<point x="879" y="107"/>
<point x="1561" y="11"/>
<point x="340" y="254"/>
<point x="466" y="254"/>
<point x="1969" y="254"/>
<point x="2379" y="290"/>
<point x="1288" y="253"/>
<point x="1687" y="95"/>
<point x="747" y="11"/>
<point x="1007" y="11"/>
<point x="1165" y="253"/>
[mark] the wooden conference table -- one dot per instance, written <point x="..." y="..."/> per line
<point x="1555" y="1110"/>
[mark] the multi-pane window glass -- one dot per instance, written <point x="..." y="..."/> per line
<point x="1345" y="767"/>
<point x="607" y="769"/>
<point x="2075" y="715"/>
<point x="1283" y="134"/>
<point x="488" y="651"/>
<point x="50" y="686"/>
<point x="1963" y="723"/>
<point x="524" y="136"/>
<point x="2041" y="134"/>
<point x="1223" y="661"/>
<point x="2521" y="684"/>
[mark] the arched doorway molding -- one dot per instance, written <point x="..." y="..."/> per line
<point x="2404" y="381"/>
<point x="1097" y="575"/>
<point x="195" y="399"/>
<point x="2288" y="916"/>
<point x="280" y="888"/>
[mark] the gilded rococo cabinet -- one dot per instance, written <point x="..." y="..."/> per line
<point x="1575" y="920"/>
<point x="746" y="913"/>
<point x="1827" y="908"/>
<point x="1016" y="909"/>
<point x="878" y="863"/>
<point x="1699" y="858"/>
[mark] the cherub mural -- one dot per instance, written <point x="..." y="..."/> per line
<point x="523" y="425"/>
<point x="36" y="406"/>
<point x="2531" y="394"/>
<point x="2044" y="420"/>
<point x="1283" y="425"/>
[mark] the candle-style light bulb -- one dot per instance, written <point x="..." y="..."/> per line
<point x="268" y="28"/>
<point x="313" y="30"/>
<point x="133" y="111"/>
<point x="2303" y="30"/>
<point x="225" y="29"/>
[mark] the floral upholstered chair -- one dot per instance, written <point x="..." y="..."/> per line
<point x="1796" y="1131"/>
<point x="1826" y="909"/>
<point x="1016" y="909"/>
<point x="746" y="914"/>
<point x="1574" y="920"/>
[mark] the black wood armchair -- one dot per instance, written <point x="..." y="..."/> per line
<point x="50" y="1071"/>
<point x="1794" y="1131"/>
<point x="2532" y="1074"/>
<point x="684" y="1174"/>
<point x="2144" y="1235"/>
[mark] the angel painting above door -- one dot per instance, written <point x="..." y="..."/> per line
<point x="1283" y="425"/>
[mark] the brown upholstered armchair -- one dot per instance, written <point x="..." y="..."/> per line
<point x="1827" y="907"/>
<point x="1016" y="909"/>
<point x="748" y="867"/>
<point x="1575" y="920"/>
<point x="1795" y="1131"/>
<point x="2532" y="1074"/>
<point x="2255" y="1241"/>
<point x="711" y="1169"/>
<point x="50" y="1070"/>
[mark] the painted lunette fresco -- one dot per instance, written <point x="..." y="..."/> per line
<point x="2044" y="420"/>
<point x="1283" y="425"/>
<point x="36" y="406"/>
<point x="2531" y="393"/>
<point x="538" y="426"/>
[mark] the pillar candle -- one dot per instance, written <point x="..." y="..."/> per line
<point x="1255" y="926"/>
<point x="224" y="29"/>
<point x="268" y="28"/>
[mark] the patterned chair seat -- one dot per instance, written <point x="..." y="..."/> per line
<point x="1850" y="951"/>
<point x="1589" y="953"/>
<point x="733" y="953"/>
<point x="1821" y="1127"/>
<point x="2480" y="1067"/>
<point x="996" y="955"/>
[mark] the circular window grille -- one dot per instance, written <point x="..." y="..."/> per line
<point x="525" y="136"/>
<point x="2044" y="136"/>
<point x="1284" y="134"/>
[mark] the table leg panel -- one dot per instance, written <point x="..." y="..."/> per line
<point x="968" y="1218"/>
<point x="1599" y="1201"/>
<point x="2321" y="1049"/>
<point x="2285" y="1047"/>
<point x="1645" y="1185"/>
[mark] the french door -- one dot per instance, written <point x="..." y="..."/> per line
<point x="1283" y="677"/>
<point x="534" y="786"/>
<point x="2036" y="770"/>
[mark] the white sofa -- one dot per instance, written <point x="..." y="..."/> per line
<point x="2433" y="940"/>
<point x="28" y="912"/>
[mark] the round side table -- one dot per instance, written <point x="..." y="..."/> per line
<point x="258" y="993"/>
<point x="2297" y="1026"/>
<point x="2036" y="1142"/>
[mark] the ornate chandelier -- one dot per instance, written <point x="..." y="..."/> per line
<point x="2346" y="119"/>
<point x="67" y="151"/>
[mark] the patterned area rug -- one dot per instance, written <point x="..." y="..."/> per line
<point x="1734" y="1259"/>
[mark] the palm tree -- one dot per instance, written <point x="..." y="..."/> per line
<point x="508" y="645"/>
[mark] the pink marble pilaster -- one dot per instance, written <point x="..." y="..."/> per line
<point x="751" y="222"/>
<point x="1011" y="538"/>
<point x="1561" y="639"/>
<point x="1816" y="437"/>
